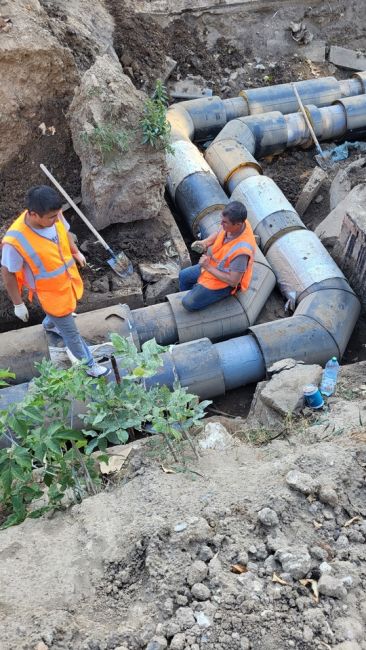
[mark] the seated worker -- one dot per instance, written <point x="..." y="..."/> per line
<point x="39" y="253"/>
<point x="227" y="265"/>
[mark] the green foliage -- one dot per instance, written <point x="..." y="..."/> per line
<point x="4" y="375"/>
<point x="108" y="139"/>
<point x="51" y="459"/>
<point x="155" y="127"/>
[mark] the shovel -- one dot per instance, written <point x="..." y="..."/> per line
<point x="120" y="263"/>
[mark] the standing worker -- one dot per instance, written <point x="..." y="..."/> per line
<point x="39" y="253"/>
<point x="227" y="264"/>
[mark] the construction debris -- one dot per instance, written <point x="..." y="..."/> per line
<point x="349" y="59"/>
<point x="300" y="33"/>
<point x="310" y="190"/>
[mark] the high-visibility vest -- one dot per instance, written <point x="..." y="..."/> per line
<point x="224" y="253"/>
<point x="58" y="284"/>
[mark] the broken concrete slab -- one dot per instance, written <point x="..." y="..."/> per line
<point x="193" y="87"/>
<point x="316" y="180"/>
<point x="314" y="52"/>
<point x="351" y="249"/>
<point x="330" y="228"/>
<point x="349" y="59"/>
<point x="155" y="271"/>
<point x="342" y="182"/>
<point x="168" y="68"/>
<point x="158" y="291"/>
<point x="285" y="391"/>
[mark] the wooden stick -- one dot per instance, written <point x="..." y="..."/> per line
<point x="306" y="118"/>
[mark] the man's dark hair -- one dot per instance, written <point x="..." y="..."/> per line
<point x="42" y="199"/>
<point x="235" y="211"/>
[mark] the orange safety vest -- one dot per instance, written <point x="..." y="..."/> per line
<point x="224" y="253"/>
<point x="58" y="284"/>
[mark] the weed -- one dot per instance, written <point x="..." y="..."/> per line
<point x="47" y="441"/>
<point x="155" y="127"/>
<point x="109" y="140"/>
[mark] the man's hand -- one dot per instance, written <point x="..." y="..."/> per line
<point x="21" y="312"/>
<point x="205" y="261"/>
<point x="79" y="258"/>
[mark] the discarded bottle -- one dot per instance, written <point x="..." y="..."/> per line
<point x="329" y="378"/>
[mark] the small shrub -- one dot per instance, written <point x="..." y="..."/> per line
<point x="51" y="457"/>
<point x="155" y="127"/>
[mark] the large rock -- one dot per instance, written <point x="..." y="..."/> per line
<point x="35" y="68"/>
<point x="330" y="228"/>
<point x="344" y="181"/>
<point x="118" y="185"/>
<point x="351" y="249"/>
<point x="284" y="392"/>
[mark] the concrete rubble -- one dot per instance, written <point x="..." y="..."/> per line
<point x="345" y="58"/>
<point x="351" y="248"/>
<point x="310" y="190"/>
<point x="329" y="229"/>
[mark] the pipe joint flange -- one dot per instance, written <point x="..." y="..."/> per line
<point x="197" y="366"/>
<point x="361" y="77"/>
<point x="184" y="162"/>
<point x="221" y="320"/>
<point x="355" y="108"/>
<point x="276" y="225"/>
<point x="226" y="157"/>
<point x="208" y="115"/>
<point x="269" y="131"/>
<point x="340" y="284"/>
<point x="197" y="195"/>
<point x="207" y="221"/>
<point x="262" y="197"/>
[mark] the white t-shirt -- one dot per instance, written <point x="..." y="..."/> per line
<point x="13" y="261"/>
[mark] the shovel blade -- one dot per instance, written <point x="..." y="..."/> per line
<point x="122" y="266"/>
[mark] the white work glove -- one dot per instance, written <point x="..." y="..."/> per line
<point x="21" y="312"/>
<point x="80" y="259"/>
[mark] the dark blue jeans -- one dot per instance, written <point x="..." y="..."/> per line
<point x="198" y="296"/>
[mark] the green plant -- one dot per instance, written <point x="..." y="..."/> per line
<point x="4" y="375"/>
<point x="108" y="139"/>
<point x="50" y="459"/>
<point x="155" y="127"/>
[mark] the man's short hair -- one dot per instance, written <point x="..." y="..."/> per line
<point x="42" y="199"/>
<point x="235" y="211"/>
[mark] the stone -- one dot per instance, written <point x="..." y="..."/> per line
<point x="310" y="190"/>
<point x="131" y="186"/>
<point x="158" y="291"/>
<point x="268" y="517"/>
<point x="185" y="618"/>
<point x="345" y="58"/>
<point x="215" y="436"/>
<point x="328" y="495"/>
<point x="200" y="591"/>
<point x="331" y="586"/>
<point x="283" y="364"/>
<point x="197" y="572"/>
<point x="348" y="628"/>
<point x="157" y="643"/>
<point x="295" y="561"/>
<point x="343" y="182"/>
<point x="302" y="482"/>
<point x="156" y="271"/>
<point x="351" y="249"/>
<point x="205" y="554"/>
<point x="318" y="553"/>
<point x="329" y="229"/>
<point x="325" y="568"/>
<point x="202" y="619"/>
<point x="178" y="528"/>
<point x="190" y="88"/>
<point x="315" y="51"/>
<point x="285" y="391"/>
<point x="178" y="642"/>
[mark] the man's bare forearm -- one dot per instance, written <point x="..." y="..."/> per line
<point x="11" y="286"/>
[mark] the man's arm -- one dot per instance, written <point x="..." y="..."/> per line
<point x="79" y="257"/>
<point x="11" y="286"/>
<point x="205" y="243"/>
<point x="232" y="278"/>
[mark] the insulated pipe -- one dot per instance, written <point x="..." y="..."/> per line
<point x="273" y="132"/>
<point x="201" y="119"/>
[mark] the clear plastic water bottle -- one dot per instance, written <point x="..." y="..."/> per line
<point x="329" y="378"/>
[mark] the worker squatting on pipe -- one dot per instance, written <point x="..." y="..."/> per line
<point x="327" y="309"/>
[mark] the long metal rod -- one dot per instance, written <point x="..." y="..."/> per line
<point x="308" y="123"/>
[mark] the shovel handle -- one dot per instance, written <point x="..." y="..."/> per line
<point x="306" y="118"/>
<point x="75" y="207"/>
